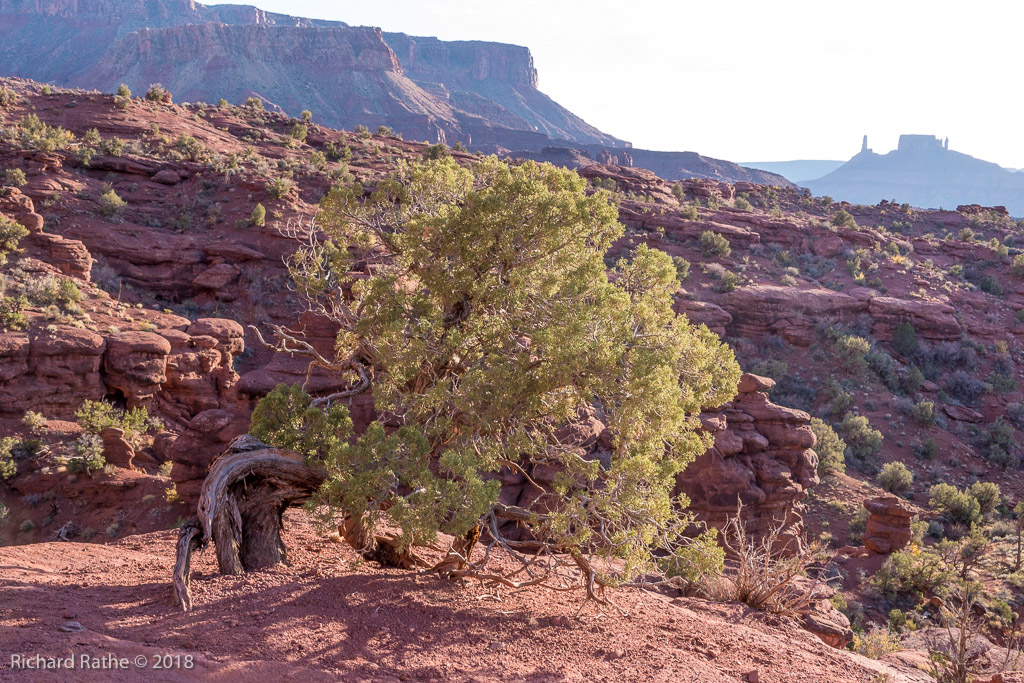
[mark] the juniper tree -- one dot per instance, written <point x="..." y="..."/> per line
<point x="479" y="303"/>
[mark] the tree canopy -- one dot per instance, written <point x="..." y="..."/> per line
<point x="480" y="306"/>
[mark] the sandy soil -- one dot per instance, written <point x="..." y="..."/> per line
<point x="329" y="616"/>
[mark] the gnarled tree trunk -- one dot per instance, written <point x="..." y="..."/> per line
<point x="240" y="508"/>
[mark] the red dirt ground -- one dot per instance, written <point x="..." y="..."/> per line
<point x="328" y="616"/>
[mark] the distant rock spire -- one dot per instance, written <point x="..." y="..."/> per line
<point x="864" y="144"/>
<point x="945" y="145"/>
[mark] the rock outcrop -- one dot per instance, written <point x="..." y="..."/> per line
<point x="762" y="457"/>
<point x="888" y="528"/>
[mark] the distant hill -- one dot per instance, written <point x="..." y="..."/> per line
<point x="798" y="171"/>
<point x="924" y="172"/>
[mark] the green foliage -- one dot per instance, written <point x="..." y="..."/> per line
<point x="1000" y="442"/>
<point x="924" y="413"/>
<point x="254" y="103"/>
<point x="287" y="418"/>
<point x="843" y="219"/>
<point x="904" y="339"/>
<point x="88" y="455"/>
<point x="259" y="216"/>
<point x="386" y="131"/>
<point x="11" y="316"/>
<point x="862" y="440"/>
<point x="682" y="268"/>
<point x="988" y="495"/>
<point x="336" y="153"/>
<point x="876" y="643"/>
<point x="223" y="103"/>
<point x="438" y="151"/>
<point x="157" y="93"/>
<point x="895" y="478"/>
<point x="11" y="233"/>
<point x="362" y="132"/>
<point x="95" y="416"/>
<point x="1017" y="268"/>
<point x="912" y="573"/>
<point x="689" y="212"/>
<point x="111" y="204"/>
<point x="299" y="132"/>
<point x="742" y="203"/>
<point x="829" y="447"/>
<point x="914" y="380"/>
<point x="493" y="322"/>
<point x="278" y="188"/>
<point x="714" y="244"/>
<point x="191" y="148"/>
<point x="306" y="115"/>
<point x="958" y="507"/>
<point x="15" y="177"/>
<point x="34" y="421"/>
<point x="42" y="137"/>
<point x="8" y="468"/>
<point x="852" y="353"/>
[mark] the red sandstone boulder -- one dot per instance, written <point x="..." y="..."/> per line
<point x="136" y="363"/>
<point x="888" y="528"/>
<point x="116" y="450"/>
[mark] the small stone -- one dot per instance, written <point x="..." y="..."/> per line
<point x="72" y="627"/>
<point x="753" y="677"/>
<point x="498" y="646"/>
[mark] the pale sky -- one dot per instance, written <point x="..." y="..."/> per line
<point x="750" y="80"/>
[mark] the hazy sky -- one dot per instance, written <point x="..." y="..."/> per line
<point x="750" y="80"/>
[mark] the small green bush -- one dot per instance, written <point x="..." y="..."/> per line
<point x="1017" y="268"/>
<point x="714" y="244"/>
<point x="15" y="177"/>
<point x="11" y="233"/>
<point x="829" y="447"/>
<point x="95" y="416"/>
<point x="904" y="339"/>
<point x="386" y="131"/>
<point x="299" y="132"/>
<point x="259" y="216"/>
<point x="742" y="203"/>
<point x="279" y="188"/>
<point x="956" y="506"/>
<point x="843" y="219"/>
<point x="861" y="439"/>
<point x="682" y="268"/>
<point x="895" y="478"/>
<point x="988" y="495"/>
<point x="254" y="103"/>
<point x="123" y="91"/>
<point x="306" y="115"/>
<point x="924" y="413"/>
<point x="156" y="93"/>
<point x="111" y="204"/>
<point x="8" y="468"/>
<point x="852" y="353"/>
<point x="438" y="151"/>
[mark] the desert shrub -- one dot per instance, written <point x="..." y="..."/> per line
<point x="306" y="115"/>
<point x="852" y="353"/>
<point x="8" y="468"/>
<point x="386" y="131"/>
<point x="527" y="359"/>
<point x="191" y="148"/>
<point x="877" y="642"/>
<point x="15" y="177"/>
<point x="1015" y="413"/>
<point x="714" y="244"/>
<point x="40" y="136"/>
<point x="8" y="98"/>
<point x="964" y="387"/>
<point x="278" y="188"/>
<point x="88" y="454"/>
<point x="927" y="449"/>
<point x="924" y="413"/>
<point x="1000" y="442"/>
<point x="829" y="447"/>
<point x="34" y="422"/>
<point x="361" y="131"/>
<point x="156" y="93"/>
<point x="742" y="203"/>
<point x="914" y="380"/>
<point x="729" y="281"/>
<point x="336" y="153"/>
<point x="11" y="233"/>
<point x="895" y="478"/>
<point x="113" y="146"/>
<point x="862" y="441"/>
<point x="956" y="506"/>
<point x="990" y="284"/>
<point x="1018" y="265"/>
<point x="53" y="291"/>
<point x="124" y="91"/>
<point x="689" y="212"/>
<point x="438" y="151"/>
<point x="11" y="316"/>
<point x="843" y="219"/>
<point x="111" y="204"/>
<point x="911" y="573"/>
<point x="258" y="217"/>
<point x="95" y="416"/>
<point x="988" y="495"/>
<point x="904" y="339"/>
<point x="253" y="103"/>
<point x="774" y="369"/>
<point x="682" y="268"/>
<point x="299" y="132"/>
